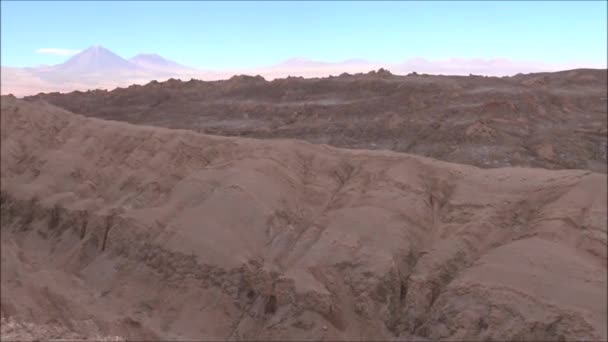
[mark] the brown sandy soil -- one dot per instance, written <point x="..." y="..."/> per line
<point x="488" y="122"/>
<point x="148" y="233"/>
<point x="13" y="330"/>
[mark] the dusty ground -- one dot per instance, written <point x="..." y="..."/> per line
<point x="14" y="330"/>
<point x="549" y="120"/>
<point x="111" y="229"/>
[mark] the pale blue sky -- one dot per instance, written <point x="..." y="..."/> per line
<point x="251" y="34"/>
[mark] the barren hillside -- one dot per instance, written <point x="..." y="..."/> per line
<point x="111" y="229"/>
<point x="549" y="120"/>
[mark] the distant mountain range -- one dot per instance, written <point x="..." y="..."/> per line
<point x="100" y="68"/>
<point x="93" y="68"/>
<point x="99" y="62"/>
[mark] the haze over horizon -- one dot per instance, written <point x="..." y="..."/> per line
<point x="211" y="35"/>
<point x="66" y="46"/>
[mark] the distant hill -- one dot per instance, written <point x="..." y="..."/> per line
<point x="550" y="120"/>
<point x="156" y="62"/>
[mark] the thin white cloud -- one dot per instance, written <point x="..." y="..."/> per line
<point x="58" y="52"/>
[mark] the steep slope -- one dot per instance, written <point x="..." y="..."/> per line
<point x="549" y="120"/>
<point x="151" y="233"/>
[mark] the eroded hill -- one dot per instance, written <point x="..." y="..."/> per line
<point x="153" y="233"/>
<point x="549" y="120"/>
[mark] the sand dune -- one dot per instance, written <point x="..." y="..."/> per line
<point x="152" y="233"/>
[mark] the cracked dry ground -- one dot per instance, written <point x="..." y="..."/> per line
<point x="111" y="229"/>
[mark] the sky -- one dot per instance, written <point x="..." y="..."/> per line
<point x="223" y="35"/>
